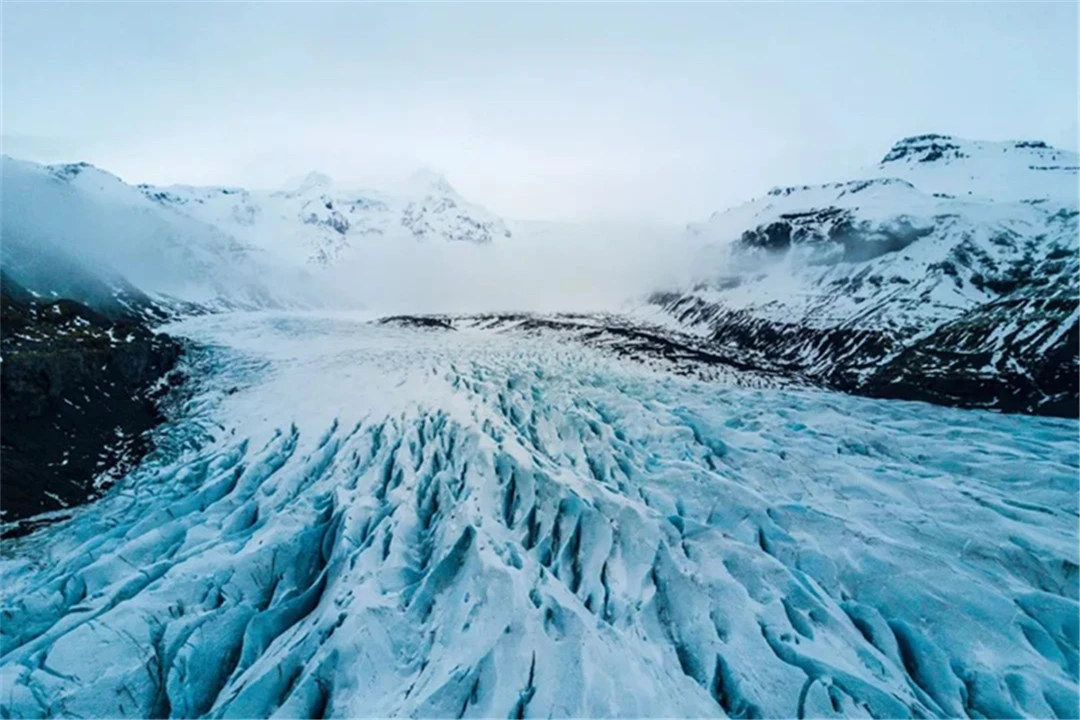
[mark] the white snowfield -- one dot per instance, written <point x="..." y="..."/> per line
<point x="357" y="520"/>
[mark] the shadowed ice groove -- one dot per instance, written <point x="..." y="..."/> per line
<point x="382" y="522"/>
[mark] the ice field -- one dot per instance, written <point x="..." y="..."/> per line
<point x="348" y="519"/>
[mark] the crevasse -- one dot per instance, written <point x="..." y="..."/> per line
<point x="356" y="520"/>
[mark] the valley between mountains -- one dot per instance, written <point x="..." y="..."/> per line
<point x="321" y="452"/>
<point x="365" y="519"/>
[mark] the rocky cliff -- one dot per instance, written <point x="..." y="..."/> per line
<point x="77" y="399"/>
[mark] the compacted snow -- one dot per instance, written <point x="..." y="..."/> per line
<point x="352" y="519"/>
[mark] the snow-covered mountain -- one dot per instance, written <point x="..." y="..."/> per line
<point x="948" y="272"/>
<point x="79" y="232"/>
<point x="314" y="221"/>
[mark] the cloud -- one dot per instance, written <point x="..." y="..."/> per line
<point x="543" y="267"/>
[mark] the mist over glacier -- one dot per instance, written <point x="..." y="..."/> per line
<point x="63" y="222"/>
<point x="544" y="267"/>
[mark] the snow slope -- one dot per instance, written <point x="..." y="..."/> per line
<point x="946" y="246"/>
<point x="314" y="221"/>
<point x="362" y="520"/>
<point x="64" y="220"/>
<point x="1015" y="171"/>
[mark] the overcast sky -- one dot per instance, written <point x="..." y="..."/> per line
<point x="558" y="111"/>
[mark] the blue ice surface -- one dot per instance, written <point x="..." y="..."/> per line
<point x="355" y="521"/>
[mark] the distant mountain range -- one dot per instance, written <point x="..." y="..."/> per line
<point x="316" y="222"/>
<point x="948" y="272"/>
<point x="79" y="232"/>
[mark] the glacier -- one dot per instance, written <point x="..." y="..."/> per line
<point x="352" y="519"/>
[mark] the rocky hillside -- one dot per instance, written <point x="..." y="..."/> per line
<point x="77" y="397"/>
<point x="947" y="273"/>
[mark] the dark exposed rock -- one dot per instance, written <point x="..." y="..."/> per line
<point x="926" y="148"/>
<point x="835" y="357"/>
<point x="420" y="321"/>
<point x="1031" y="366"/>
<point x="774" y="237"/>
<point x="1018" y="354"/>
<point x="322" y="212"/>
<point x="77" y="397"/>
<point x="834" y="234"/>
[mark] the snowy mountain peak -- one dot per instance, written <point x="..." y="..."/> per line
<point x="1009" y="171"/>
<point x="426" y="182"/>
<point x="82" y="173"/>
<point x="78" y="177"/>
<point x="314" y="181"/>
<point x="68" y="171"/>
<point x="925" y="148"/>
<point x="313" y="220"/>
<point x="943" y="149"/>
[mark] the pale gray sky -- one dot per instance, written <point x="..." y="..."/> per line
<point x="557" y="111"/>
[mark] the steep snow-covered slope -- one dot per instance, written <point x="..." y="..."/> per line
<point x="949" y="272"/>
<point x="315" y="221"/>
<point x="103" y="228"/>
<point x="364" y="520"/>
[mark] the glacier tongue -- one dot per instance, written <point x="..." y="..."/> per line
<point x="359" y="520"/>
